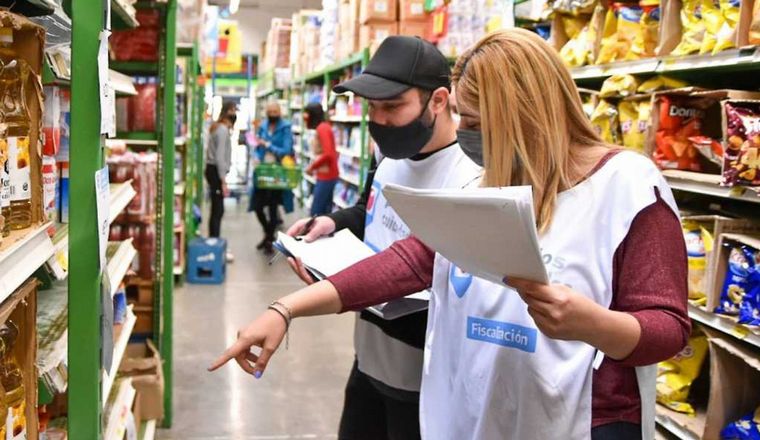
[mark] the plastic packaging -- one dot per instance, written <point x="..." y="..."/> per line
<point x="693" y="28"/>
<point x="647" y="38"/>
<point x="713" y="21"/>
<point x="740" y="265"/>
<point x="678" y="122"/>
<point x="754" y="27"/>
<point x="675" y="376"/>
<point x="621" y="27"/>
<point x="730" y="9"/>
<point x="606" y="121"/>
<point x="629" y="125"/>
<point x="746" y="428"/>
<point x="579" y="49"/>
<point x="660" y="82"/>
<point x="741" y="158"/>
<point x="619" y="86"/>
<point x="699" y="243"/>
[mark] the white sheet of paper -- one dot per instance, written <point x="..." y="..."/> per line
<point x="102" y="195"/>
<point x="107" y="99"/>
<point x="487" y="232"/>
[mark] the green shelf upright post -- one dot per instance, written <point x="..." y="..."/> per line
<point x="85" y="338"/>
<point x="165" y="275"/>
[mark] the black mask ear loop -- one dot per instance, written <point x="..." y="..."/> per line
<point x="424" y="109"/>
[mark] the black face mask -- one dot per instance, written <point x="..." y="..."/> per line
<point x="405" y="141"/>
<point x="273" y="120"/>
<point x="471" y="142"/>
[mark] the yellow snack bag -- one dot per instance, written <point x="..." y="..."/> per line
<point x="660" y="83"/>
<point x="606" y="122"/>
<point x="629" y="125"/>
<point x="675" y="376"/>
<point x="713" y="21"/>
<point x="727" y="33"/>
<point x="754" y="27"/>
<point x="588" y="104"/>
<point x="699" y="244"/>
<point x="619" y="86"/>
<point x="647" y="37"/>
<point x="579" y="51"/>
<point x="693" y="28"/>
<point x="573" y="25"/>
<point x="642" y="122"/>
<point x="621" y="26"/>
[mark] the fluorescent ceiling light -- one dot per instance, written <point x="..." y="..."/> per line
<point x="234" y="6"/>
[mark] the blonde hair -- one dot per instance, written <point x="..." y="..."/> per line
<point x="531" y="115"/>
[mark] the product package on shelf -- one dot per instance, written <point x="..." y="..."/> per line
<point x="21" y="189"/>
<point x="142" y="363"/>
<point x="741" y="158"/>
<point x="737" y="291"/>
<point x="51" y="121"/>
<point x="577" y="37"/>
<point x="328" y="34"/>
<point x="675" y="376"/>
<point x="138" y="44"/>
<point x="277" y="45"/>
<point x="142" y="107"/>
<point x="464" y="22"/>
<point x="348" y="28"/>
<point x="706" y="26"/>
<point x="373" y="11"/>
<point x="372" y="34"/>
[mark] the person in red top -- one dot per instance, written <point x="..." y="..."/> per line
<point x="325" y="163"/>
<point x="521" y="117"/>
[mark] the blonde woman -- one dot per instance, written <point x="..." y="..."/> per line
<point x="517" y="361"/>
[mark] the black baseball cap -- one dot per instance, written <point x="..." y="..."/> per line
<point x="400" y="64"/>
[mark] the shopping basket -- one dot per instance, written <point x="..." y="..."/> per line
<point x="275" y="176"/>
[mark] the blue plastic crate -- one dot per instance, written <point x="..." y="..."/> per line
<point x="206" y="262"/>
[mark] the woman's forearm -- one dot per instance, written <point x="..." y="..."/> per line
<point x="616" y="334"/>
<point x="317" y="299"/>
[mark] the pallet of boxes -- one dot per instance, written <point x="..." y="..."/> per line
<point x="277" y="50"/>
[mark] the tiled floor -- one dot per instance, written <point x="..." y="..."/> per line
<point x="301" y="394"/>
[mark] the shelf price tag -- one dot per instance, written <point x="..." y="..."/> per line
<point x="740" y="332"/>
<point x="102" y="194"/>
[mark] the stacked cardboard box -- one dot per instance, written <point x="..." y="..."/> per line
<point x="348" y="28"/>
<point x="277" y="50"/>
<point x="328" y="33"/>
<point x="304" y="51"/>
<point x="378" y="21"/>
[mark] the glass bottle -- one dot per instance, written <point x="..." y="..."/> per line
<point x="12" y="380"/>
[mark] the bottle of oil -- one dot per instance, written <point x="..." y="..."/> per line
<point x="12" y="379"/>
<point x="14" y="73"/>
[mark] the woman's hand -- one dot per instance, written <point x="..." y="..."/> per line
<point x="299" y="269"/>
<point x="267" y="332"/>
<point x="562" y="313"/>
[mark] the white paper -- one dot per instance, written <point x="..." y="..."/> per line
<point x="330" y="255"/>
<point x="102" y="195"/>
<point x="107" y="99"/>
<point x="487" y="232"/>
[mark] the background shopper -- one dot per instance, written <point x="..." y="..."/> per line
<point x="218" y="163"/>
<point x="325" y="163"/>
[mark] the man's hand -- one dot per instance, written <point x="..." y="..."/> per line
<point x="320" y="227"/>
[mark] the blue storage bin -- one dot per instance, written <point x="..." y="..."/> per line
<point x="206" y="262"/>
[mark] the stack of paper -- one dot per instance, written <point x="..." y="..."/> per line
<point x="489" y="233"/>
<point x="330" y="255"/>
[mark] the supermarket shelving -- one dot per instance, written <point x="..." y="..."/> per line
<point x="148" y="430"/>
<point x="122" y="84"/>
<point x="349" y="153"/>
<point x="708" y="184"/>
<point x="725" y="324"/>
<point x="59" y="261"/>
<point x="121" y="340"/>
<point x="347" y="119"/>
<point x="119" y="263"/>
<point x="120" y="197"/>
<point x="350" y="179"/>
<point x="120" y="408"/>
<point x="680" y="425"/>
<point x="23" y="253"/>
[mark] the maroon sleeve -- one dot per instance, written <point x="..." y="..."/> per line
<point x="404" y="268"/>
<point x="650" y="282"/>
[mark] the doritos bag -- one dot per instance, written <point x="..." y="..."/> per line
<point x="678" y="122"/>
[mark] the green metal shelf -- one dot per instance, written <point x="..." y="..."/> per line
<point x="142" y="136"/>
<point x="147" y="68"/>
<point x="29" y="8"/>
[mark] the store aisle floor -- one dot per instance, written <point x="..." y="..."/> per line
<point x="301" y="394"/>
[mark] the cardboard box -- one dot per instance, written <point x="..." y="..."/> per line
<point x="142" y="362"/>
<point x="371" y="35"/>
<point x="734" y="379"/>
<point x="144" y="324"/>
<point x="377" y="11"/>
<point x="28" y="43"/>
<point x="412" y="10"/>
<point x="21" y="308"/>
<point x="413" y="28"/>
<point x="721" y="265"/>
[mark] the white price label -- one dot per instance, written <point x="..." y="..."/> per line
<point x="417" y="8"/>
<point x="381" y="7"/>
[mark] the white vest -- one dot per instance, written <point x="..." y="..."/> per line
<point x="388" y="360"/>
<point x="489" y="373"/>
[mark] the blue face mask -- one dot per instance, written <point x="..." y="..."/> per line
<point x="471" y="142"/>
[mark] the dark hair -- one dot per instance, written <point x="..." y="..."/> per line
<point x="226" y="107"/>
<point x="316" y="114"/>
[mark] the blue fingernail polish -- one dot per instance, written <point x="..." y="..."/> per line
<point x="257" y="374"/>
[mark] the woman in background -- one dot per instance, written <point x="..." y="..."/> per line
<point x="325" y="163"/>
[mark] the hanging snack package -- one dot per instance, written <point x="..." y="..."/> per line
<point x="712" y="19"/>
<point x="619" y="86"/>
<point x="621" y="26"/>
<point x="633" y="139"/>
<point x="606" y="122"/>
<point x="661" y="82"/>
<point x="675" y="376"/>
<point x="699" y="243"/>
<point x="746" y="428"/>
<point x="740" y="264"/>
<point x="726" y="36"/>
<point x="647" y="37"/>
<point x="693" y="28"/>
<point x="678" y="121"/>
<point x="741" y="159"/>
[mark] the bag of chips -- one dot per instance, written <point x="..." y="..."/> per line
<point x="621" y="26"/>
<point x="713" y="21"/>
<point x="746" y="428"/>
<point x="619" y="86"/>
<point x="749" y="310"/>
<point x="606" y="122"/>
<point x="725" y="38"/>
<point x="661" y="82"/>
<point x="629" y="125"/>
<point x="699" y="243"/>
<point x="573" y="7"/>
<point x="675" y="376"/>
<point x="741" y="159"/>
<point x="740" y="265"/>
<point x="754" y="27"/>
<point x="579" y="50"/>
<point x="693" y="28"/>
<point x="647" y="38"/>
<point x="678" y="122"/>
<point x="644" y="121"/>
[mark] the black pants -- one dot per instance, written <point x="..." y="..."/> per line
<point x="217" y="200"/>
<point x="617" y="431"/>
<point x="266" y="201"/>
<point x="369" y="414"/>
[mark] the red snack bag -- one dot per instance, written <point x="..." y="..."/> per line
<point x="678" y="122"/>
<point x="741" y="159"/>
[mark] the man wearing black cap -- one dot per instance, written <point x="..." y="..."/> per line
<point x="407" y="84"/>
